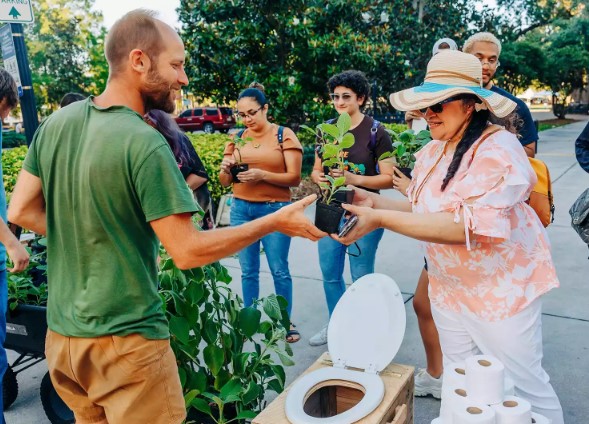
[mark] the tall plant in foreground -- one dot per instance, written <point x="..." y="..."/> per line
<point x="225" y="352"/>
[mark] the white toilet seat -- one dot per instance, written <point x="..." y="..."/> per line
<point x="365" y="332"/>
<point x="298" y="394"/>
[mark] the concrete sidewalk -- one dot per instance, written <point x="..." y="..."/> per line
<point x="566" y="320"/>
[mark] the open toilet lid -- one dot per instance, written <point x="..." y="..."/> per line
<point x="368" y="324"/>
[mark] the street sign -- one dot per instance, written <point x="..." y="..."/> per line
<point x="16" y="11"/>
<point x="9" y="55"/>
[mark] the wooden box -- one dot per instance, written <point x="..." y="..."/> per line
<point x="329" y="399"/>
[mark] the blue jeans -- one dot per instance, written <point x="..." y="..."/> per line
<point x="276" y="246"/>
<point x="332" y="255"/>
<point x="3" y="359"/>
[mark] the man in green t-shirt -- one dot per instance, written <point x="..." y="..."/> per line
<point x="105" y="188"/>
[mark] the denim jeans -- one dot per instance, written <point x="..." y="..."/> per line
<point x="332" y="255"/>
<point x="3" y="359"/>
<point x="276" y="247"/>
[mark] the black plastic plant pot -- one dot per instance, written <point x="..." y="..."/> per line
<point x="344" y="196"/>
<point x="236" y="169"/>
<point x="328" y="217"/>
<point x="406" y="171"/>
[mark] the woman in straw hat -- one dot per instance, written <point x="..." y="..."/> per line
<point x="487" y="251"/>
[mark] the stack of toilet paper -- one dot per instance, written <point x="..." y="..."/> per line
<point x="478" y="392"/>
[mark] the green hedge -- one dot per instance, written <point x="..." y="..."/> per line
<point x="12" y="139"/>
<point x="398" y="128"/>
<point x="12" y="160"/>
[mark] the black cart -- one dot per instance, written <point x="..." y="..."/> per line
<point x="26" y="329"/>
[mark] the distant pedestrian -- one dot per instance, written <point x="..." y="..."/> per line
<point x="9" y="244"/>
<point x="582" y="149"/>
<point x="70" y="98"/>
<point x="487" y="48"/>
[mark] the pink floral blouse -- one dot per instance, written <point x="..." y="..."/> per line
<point x="506" y="262"/>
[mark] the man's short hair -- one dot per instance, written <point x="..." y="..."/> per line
<point x="70" y="98"/>
<point x="486" y="37"/>
<point x="8" y="90"/>
<point x="137" y="29"/>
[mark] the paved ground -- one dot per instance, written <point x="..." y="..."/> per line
<point x="566" y="320"/>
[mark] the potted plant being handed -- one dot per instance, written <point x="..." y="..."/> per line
<point x="239" y="166"/>
<point x="405" y="145"/>
<point x="333" y="139"/>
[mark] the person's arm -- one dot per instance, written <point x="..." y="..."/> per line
<point x="27" y="204"/>
<point x="194" y="181"/>
<point x="293" y="159"/>
<point x="15" y="250"/>
<point x="530" y="149"/>
<point x="190" y="248"/>
<point x="365" y="198"/>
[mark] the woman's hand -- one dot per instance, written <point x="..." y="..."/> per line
<point x="362" y="197"/>
<point x="251" y="175"/>
<point x="368" y="221"/>
<point x="226" y="164"/>
<point x="400" y="181"/>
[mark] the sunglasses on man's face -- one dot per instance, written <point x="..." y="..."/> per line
<point x="439" y="107"/>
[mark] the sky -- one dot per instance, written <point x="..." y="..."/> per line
<point x="114" y="9"/>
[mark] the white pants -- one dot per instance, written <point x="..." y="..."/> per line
<point x="515" y="341"/>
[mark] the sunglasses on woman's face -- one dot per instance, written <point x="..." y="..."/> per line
<point x="346" y="97"/>
<point x="439" y="107"/>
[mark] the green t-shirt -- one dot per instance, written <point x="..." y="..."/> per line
<point x="105" y="174"/>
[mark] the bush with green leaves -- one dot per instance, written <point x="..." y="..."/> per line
<point x="225" y="351"/>
<point x="12" y="160"/>
<point x="12" y="139"/>
<point x="29" y="287"/>
<point x="397" y="128"/>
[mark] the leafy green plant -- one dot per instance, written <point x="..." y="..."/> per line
<point x="225" y="352"/>
<point x="405" y="145"/>
<point x="239" y="143"/>
<point x="332" y="140"/>
<point x="12" y="160"/>
<point x="29" y="286"/>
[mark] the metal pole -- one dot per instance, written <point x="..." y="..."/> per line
<point x="27" y="101"/>
<point x="374" y="97"/>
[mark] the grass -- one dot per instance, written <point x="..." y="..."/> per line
<point x="553" y="123"/>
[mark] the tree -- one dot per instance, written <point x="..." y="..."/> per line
<point x="294" y="46"/>
<point x="522" y="64"/>
<point x="62" y="47"/>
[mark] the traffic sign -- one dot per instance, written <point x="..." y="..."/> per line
<point x="16" y="11"/>
<point x="9" y="56"/>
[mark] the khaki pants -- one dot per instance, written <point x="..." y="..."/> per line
<point x="116" y="380"/>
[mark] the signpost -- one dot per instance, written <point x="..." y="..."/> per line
<point x="14" y="54"/>
<point x="16" y="11"/>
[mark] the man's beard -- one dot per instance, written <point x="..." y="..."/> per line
<point x="156" y="93"/>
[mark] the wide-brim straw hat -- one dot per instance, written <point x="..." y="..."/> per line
<point x="450" y="73"/>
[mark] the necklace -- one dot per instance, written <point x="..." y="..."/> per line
<point x="256" y="145"/>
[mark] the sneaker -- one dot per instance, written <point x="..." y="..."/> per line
<point x="320" y="338"/>
<point x="425" y="384"/>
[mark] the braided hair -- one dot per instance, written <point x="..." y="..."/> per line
<point x="473" y="132"/>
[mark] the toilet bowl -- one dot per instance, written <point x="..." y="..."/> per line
<point x="364" y="335"/>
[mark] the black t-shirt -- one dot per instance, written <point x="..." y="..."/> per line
<point x="526" y="129"/>
<point x="360" y="155"/>
<point x="195" y="165"/>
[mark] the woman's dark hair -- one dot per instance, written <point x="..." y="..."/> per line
<point x="473" y="132"/>
<point x="164" y="123"/>
<point x="354" y="80"/>
<point x="255" y="91"/>
<point x="70" y="98"/>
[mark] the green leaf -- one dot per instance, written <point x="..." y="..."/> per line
<point x="249" y="321"/>
<point x="194" y="292"/>
<point x="213" y="356"/>
<point x="198" y="380"/>
<point x="286" y="361"/>
<point x="348" y="141"/>
<point x="330" y="129"/>
<point x="202" y="405"/>
<point x="168" y="264"/>
<point x="189" y="397"/>
<point x="271" y="307"/>
<point x="344" y="123"/>
<point x="232" y="388"/>
<point x="211" y="332"/>
<point x="180" y="329"/>
<point x="279" y="373"/>
<point x="264" y="327"/>
<point x="239" y="363"/>
<point x="246" y="415"/>
<point x="330" y="151"/>
<point x="182" y="375"/>
<point x="275" y="385"/>
<point x="339" y="181"/>
<point x="252" y="392"/>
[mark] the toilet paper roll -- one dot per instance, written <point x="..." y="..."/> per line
<point x="513" y="410"/>
<point x="474" y="413"/>
<point x="508" y="387"/>
<point x="540" y="419"/>
<point x="452" y="398"/>
<point x="454" y="374"/>
<point x="485" y="379"/>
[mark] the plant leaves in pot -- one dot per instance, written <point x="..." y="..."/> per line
<point x="405" y="145"/>
<point x="239" y="165"/>
<point x="333" y="139"/>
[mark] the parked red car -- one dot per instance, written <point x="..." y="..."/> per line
<point x="207" y="119"/>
